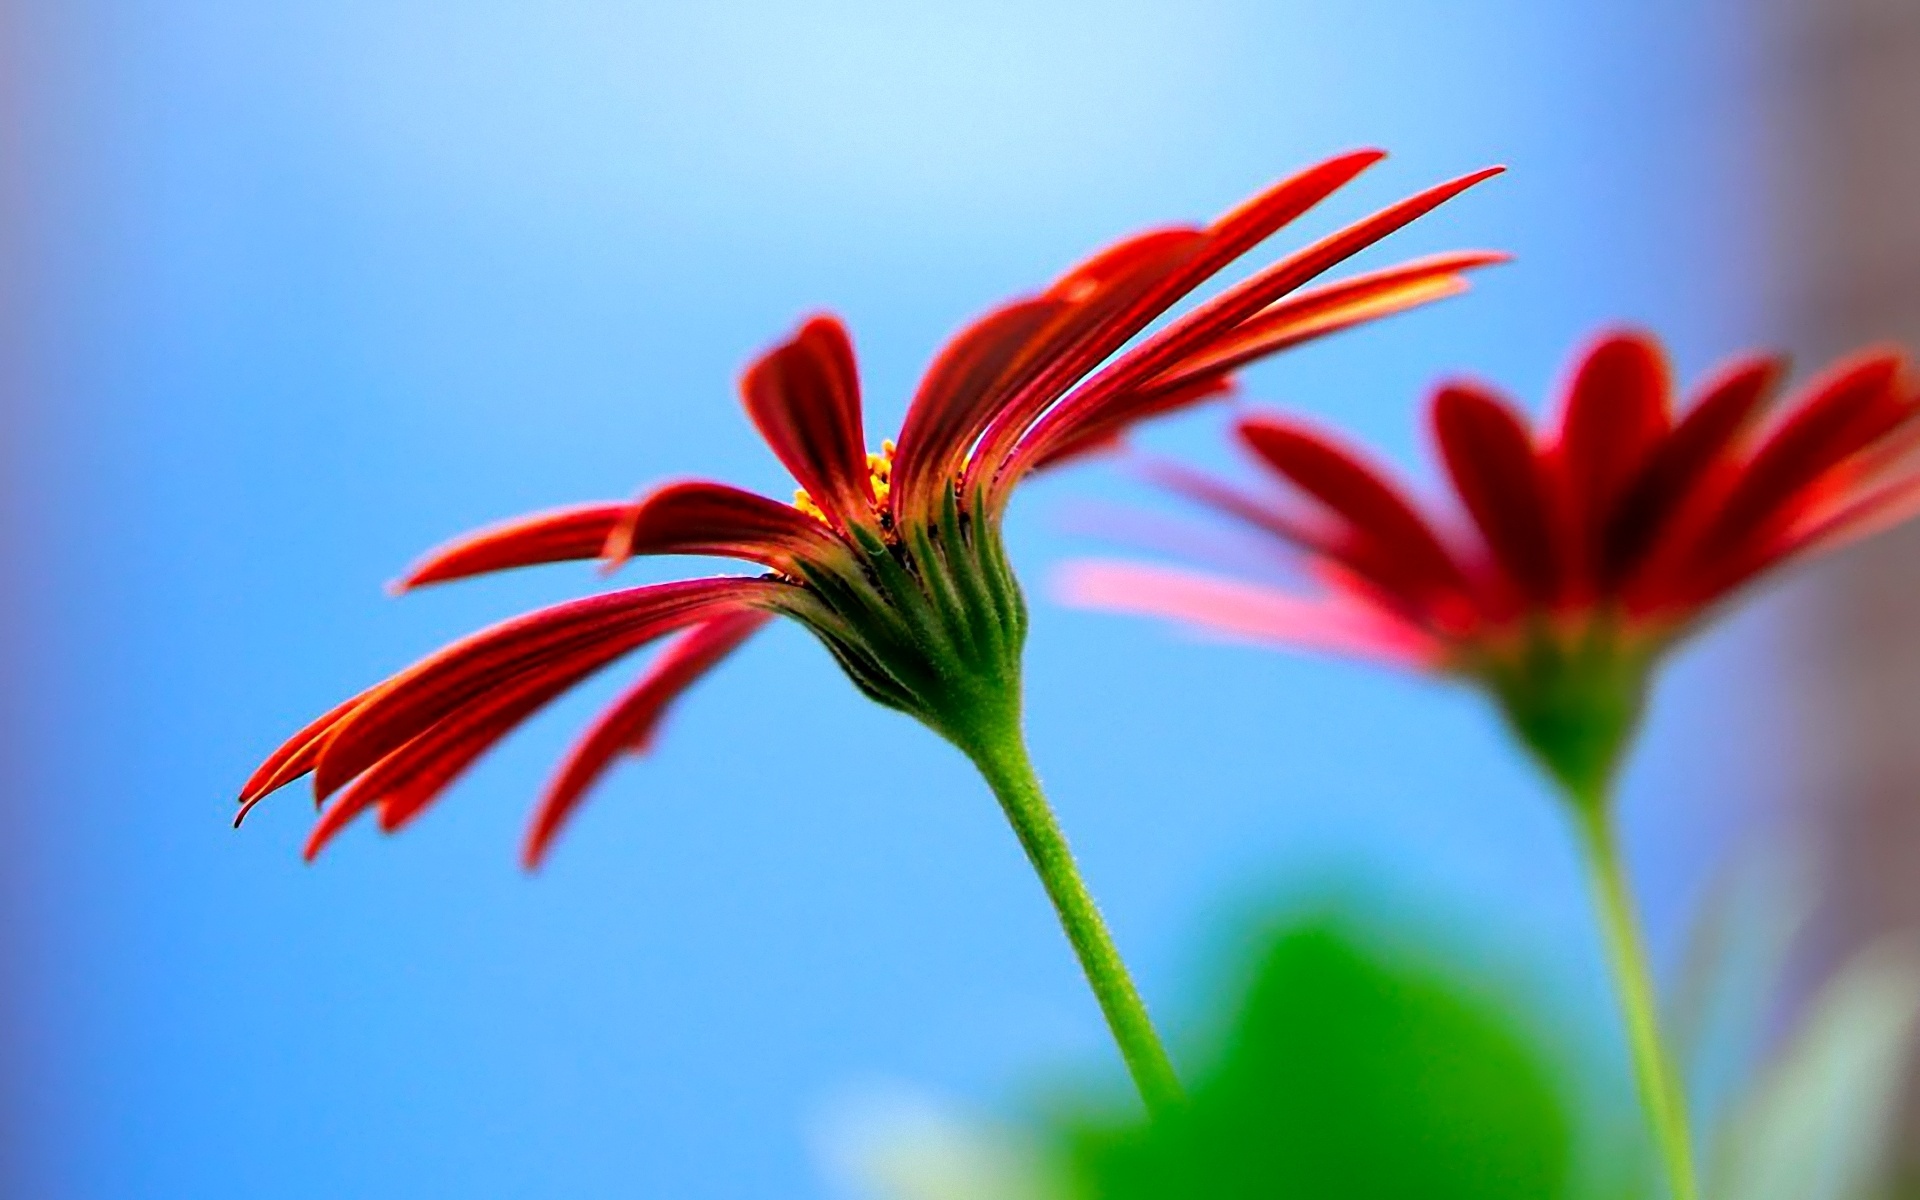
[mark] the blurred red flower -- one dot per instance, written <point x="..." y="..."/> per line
<point x="1587" y="547"/>
<point x="893" y="560"/>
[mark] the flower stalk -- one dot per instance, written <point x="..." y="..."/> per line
<point x="1662" y="1094"/>
<point x="1001" y="756"/>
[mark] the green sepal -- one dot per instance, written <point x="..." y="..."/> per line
<point x="1574" y="701"/>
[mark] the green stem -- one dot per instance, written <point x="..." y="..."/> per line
<point x="1661" y="1093"/>
<point x="1009" y="772"/>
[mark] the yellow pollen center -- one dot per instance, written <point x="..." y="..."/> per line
<point x="879" y="473"/>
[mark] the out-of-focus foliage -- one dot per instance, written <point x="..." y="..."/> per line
<point x="1351" y="1073"/>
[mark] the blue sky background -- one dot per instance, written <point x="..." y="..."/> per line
<point x="327" y="283"/>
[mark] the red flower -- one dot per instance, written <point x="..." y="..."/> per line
<point x="894" y="559"/>
<point x="1588" y="547"/>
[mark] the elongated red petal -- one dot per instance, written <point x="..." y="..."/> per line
<point x="1617" y="410"/>
<point x="407" y="781"/>
<point x="1150" y="293"/>
<point x="961" y="392"/>
<point x="1490" y="458"/>
<point x="1114" y="384"/>
<point x="698" y="517"/>
<point x="629" y="724"/>
<point x="1398" y="548"/>
<point x="1675" y="469"/>
<point x="1329" y="308"/>
<point x="1843" y="411"/>
<point x="414" y="700"/>
<point x="295" y="757"/>
<point x="804" y="396"/>
<point x="1097" y="436"/>
<point x="560" y="535"/>
<point x="1336" y="624"/>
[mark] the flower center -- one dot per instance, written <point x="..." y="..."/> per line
<point x="879" y="471"/>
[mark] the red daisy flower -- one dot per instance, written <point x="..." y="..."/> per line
<point x="892" y="559"/>
<point x="1587" y="548"/>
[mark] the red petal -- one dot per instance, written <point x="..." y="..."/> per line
<point x="698" y="517"/>
<point x="1337" y="624"/>
<point x="804" y="396"/>
<point x="1194" y="333"/>
<point x="1096" y="436"/>
<point x="1676" y="468"/>
<point x="295" y="757"/>
<point x="1842" y="412"/>
<point x="630" y="722"/>
<point x="1617" y="411"/>
<point x="962" y="391"/>
<point x="1111" y="297"/>
<point x="1399" y="549"/>
<point x="1490" y="458"/>
<point x="560" y="535"/>
<point x="1150" y="292"/>
<point x="413" y="701"/>
<point x="1332" y="307"/>
<point x="405" y="782"/>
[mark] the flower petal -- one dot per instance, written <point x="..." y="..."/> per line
<point x="804" y="395"/>
<point x="1330" y="308"/>
<point x="698" y="517"/>
<point x="1617" y="411"/>
<point x="404" y="783"/>
<point x="1334" y="624"/>
<point x="295" y="757"/>
<point x="1399" y="549"/>
<point x="413" y="701"/>
<point x="630" y="722"/>
<point x="1489" y="456"/>
<point x="961" y="392"/>
<point x="1843" y="411"/>
<point x="1675" y="470"/>
<point x="559" y="535"/>
<point x="1115" y="385"/>
<point x="1143" y="294"/>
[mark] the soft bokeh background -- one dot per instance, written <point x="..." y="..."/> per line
<point x="310" y="286"/>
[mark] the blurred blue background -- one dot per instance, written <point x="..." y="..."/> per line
<point x="315" y="286"/>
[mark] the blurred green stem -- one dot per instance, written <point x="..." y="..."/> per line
<point x="1661" y="1092"/>
<point x="1003" y="760"/>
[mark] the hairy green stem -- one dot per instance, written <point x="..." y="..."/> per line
<point x="1009" y="772"/>
<point x="1661" y="1091"/>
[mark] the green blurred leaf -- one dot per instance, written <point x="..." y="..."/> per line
<point x="1347" y="1073"/>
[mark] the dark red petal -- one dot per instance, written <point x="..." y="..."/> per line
<point x="1400" y="549"/>
<point x="1842" y="412"/>
<point x="295" y="757"/>
<point x="1228" y="500"/>
<point x="961" y="392"/>
<point x="804" y="396"/>
<point x="1109" y="299"/>
<point x="1142" y="294"/>
<point x="1617" y="410"/>
<point x="413" y="701"/>
<point x="698" y="517"/>
<point x="407" y="781"/>
<point x="630" y="722"/>
<point x="1097" y="436"/>
<point x="560" y="535"/>
<point x="1329" y="308"/>
<point x="1676" y="468"/>
<point x="1490" y="458"/>
<point x="1116" y="384"/>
